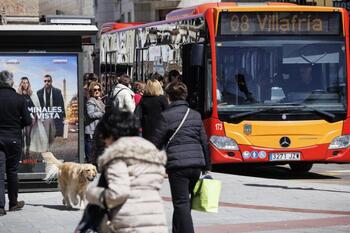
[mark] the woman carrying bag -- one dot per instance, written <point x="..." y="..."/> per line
<point x="181" y="132"/>
<point x="133" y="169"/>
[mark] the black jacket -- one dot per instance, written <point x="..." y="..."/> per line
<point x="14" y="113"/>
<point x="151" y="108"/>
<point x="189" y="147"/>
<point x="57" y="101"/>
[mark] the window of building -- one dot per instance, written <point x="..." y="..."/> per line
<point x="129" y="17"/>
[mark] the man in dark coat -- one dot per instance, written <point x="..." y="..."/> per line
<point x="187" y="153"/>
<point x="14" y="116"/>
<point x="51" y="100"/>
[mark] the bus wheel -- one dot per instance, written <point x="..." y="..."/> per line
<point x="300" y="167"/>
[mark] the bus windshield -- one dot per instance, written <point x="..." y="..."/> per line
<point x="281" y="71"/>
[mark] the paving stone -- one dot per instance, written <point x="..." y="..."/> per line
<point x="248" y="201"/>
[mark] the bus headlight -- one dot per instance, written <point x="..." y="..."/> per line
<point x="224" y="143"/>
<point x="340" y="142"/>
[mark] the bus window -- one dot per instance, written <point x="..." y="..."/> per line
<point x="208" y="87"/>
<point x="301" y="71"/>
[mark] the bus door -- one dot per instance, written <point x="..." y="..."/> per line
<point x="193" y="74"/>
<point x="139" y="64"/>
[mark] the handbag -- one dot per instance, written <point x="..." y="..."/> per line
<point x="206" y="194"/>
<point x="93" y="214"/>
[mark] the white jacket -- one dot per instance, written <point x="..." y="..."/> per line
<point x="125" y="97"/>
<point x="134" y="170"/>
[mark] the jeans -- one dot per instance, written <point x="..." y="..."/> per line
<point x="182" y="182"/>
<point x="10" y="153"/>
<point x="88" y="148"/>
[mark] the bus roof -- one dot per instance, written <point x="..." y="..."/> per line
<point x="200" y="9"/>
<point x="106" y="27"/>
<point x="195" y="11"/>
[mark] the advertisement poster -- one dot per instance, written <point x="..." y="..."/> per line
<point x="49" y="84"/>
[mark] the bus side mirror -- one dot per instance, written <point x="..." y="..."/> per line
<point x="197" y="54"/>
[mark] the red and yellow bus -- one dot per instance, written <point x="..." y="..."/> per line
<point x="270" y="79"/>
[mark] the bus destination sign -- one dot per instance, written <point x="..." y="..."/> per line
<point x="285" y="23"/>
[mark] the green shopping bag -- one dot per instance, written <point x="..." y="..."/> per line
<point x="206" y="195"/>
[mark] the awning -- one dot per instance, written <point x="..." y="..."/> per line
<point x="48" y="30"/>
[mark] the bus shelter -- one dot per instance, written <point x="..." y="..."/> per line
<point x="36" y="53"/>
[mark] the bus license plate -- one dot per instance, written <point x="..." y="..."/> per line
<point x="285" y="156"/>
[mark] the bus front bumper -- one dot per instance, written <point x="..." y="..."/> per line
<point x="253" y="154"/>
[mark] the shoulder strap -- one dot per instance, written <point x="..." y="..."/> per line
<point x="118" y="92"/>
<point x="178" y="128"/>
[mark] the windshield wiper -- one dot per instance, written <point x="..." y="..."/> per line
<point x="308" y="108"/>
<point x="320" y="112"/>
<point x="284" y="107"/>
<point x="248" y="113"/>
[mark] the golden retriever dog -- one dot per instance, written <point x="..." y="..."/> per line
<point x="73" y="179"/>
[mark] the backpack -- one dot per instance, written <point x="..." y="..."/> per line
<point x="112" y="100"/>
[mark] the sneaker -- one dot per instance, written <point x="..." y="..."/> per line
<point x="2" y="212"/>
<point x="18" y="206"/>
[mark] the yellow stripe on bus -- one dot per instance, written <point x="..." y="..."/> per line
<point x="269" y="133"/>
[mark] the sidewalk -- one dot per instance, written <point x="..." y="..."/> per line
<point x="248" y="204"/>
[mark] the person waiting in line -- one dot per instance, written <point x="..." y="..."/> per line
<point x="187" y="152"/>
<point x="35" y="138"/>
<point x="95" y="110"/>
<point x="124" y="94"/>
<point x="160" y="79"/>
<point x="173" y="75"/>
<point x="88" y="78"/>
<point x="152" y="104"/>
<point x="139" y="88"/>
<point x="134" y="171"/>
<point x="14" y="116"/>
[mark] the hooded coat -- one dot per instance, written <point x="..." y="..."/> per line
<point x="134" y="170"/>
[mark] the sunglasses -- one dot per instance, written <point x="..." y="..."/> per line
<point x="97" y="89"/>
<point x="47" y="81"/>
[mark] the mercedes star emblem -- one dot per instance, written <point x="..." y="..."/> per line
<point x="285" y="141"/>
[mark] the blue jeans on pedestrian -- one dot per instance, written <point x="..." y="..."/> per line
<point x="10" y="154"/>
<point x="182" y="182"/>
<point x="88" y="147"/>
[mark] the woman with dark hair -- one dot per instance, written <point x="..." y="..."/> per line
<point x="174" y="76"/>
<point x="134" y="171"/>
<point x="35" y="137"/>
<point x="181" y="132"/>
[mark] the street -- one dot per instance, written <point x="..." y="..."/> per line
<point x="271" y="199"/>
<point x="253" y="199"/>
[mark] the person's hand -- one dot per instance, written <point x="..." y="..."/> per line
<point x="205" y="172"/>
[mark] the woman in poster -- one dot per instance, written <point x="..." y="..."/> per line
<point x="35" y="138"/>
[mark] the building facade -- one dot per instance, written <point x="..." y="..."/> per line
<point x="19" y="7"/>
<point x="66" y="7"/>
